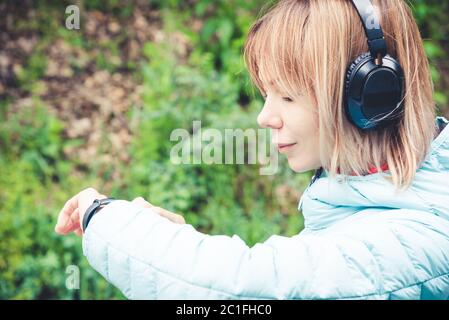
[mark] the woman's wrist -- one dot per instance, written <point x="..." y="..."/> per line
<point x="93" y="209"/>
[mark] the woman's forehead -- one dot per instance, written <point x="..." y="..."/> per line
<point x="268" y="84"/>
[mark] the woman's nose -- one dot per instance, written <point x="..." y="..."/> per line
<point x="267" y="119"/>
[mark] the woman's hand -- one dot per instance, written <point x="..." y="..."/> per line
<point x="71" y="216"/>
<point x="177" y="218"/>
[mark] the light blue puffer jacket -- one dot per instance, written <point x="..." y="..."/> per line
<point x="362" y="241"/>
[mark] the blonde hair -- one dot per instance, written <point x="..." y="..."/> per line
<point x="303" y="47"/>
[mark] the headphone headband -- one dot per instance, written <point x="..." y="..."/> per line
<point x="374" y="87"/>
<point x="374" y="33"/>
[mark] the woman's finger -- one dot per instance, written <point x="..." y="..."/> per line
<point x="64" y="220"/>
<point x="72" y="224"/>
<point x="75" y="217"/>
<point x="139" y="201"/>
<point x="176" y="218"/>
<point x="78" y="232"/>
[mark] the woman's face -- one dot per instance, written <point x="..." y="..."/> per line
<point x="294" y="129"/>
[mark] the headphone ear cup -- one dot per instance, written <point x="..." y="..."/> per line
<point x="373" y="91"/>
<point x="353" y="66"/>
<point x="352" y="69"/>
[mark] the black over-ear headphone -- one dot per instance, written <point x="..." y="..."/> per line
<point x="374" y="87"/>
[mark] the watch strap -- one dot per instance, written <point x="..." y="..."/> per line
<point x="93" y="209"/>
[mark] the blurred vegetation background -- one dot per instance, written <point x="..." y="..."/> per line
<point x="96" y="106"/>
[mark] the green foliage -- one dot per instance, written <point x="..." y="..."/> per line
<point x="33" y="136"/>
<point x="33" y="258"/>
<point x="432" y="20"/>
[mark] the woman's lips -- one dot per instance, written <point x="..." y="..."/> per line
<point x="283" y="147"/>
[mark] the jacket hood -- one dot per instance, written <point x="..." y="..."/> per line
<point x="328" y="200"/>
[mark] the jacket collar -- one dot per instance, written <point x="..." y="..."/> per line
<point x="328" y="200"/>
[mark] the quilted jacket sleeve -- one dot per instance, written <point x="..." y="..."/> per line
<point x="148" y="257"/>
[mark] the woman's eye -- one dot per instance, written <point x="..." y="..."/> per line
<point x="287" y="99"/>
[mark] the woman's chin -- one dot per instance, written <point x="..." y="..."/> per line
<point x="296" y="165"/>
<point x="301" y="166"/>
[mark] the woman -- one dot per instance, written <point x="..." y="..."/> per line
<point x="377" y="210"/>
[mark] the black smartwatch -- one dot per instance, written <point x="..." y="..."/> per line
<point x="93" y="209"/>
